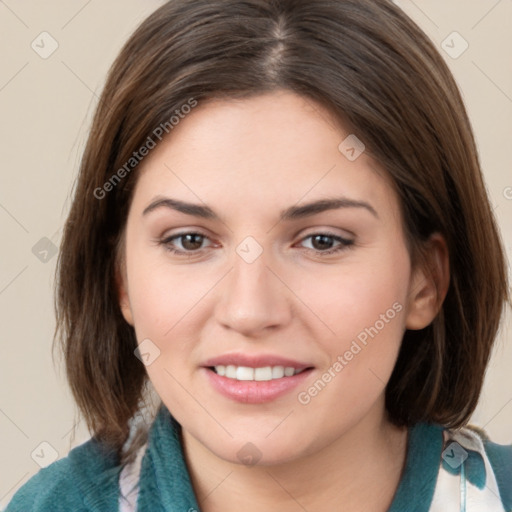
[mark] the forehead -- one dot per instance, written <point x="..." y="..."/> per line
<point x="261" y="153"/>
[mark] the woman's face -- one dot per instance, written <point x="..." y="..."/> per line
<point x="255" y="292"/>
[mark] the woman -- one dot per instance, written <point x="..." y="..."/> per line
<point x="280" y="231"/>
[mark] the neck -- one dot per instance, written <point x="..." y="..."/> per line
<point x="361" y="469"/>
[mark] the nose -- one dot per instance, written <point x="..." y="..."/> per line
<point x="253" y="298"/>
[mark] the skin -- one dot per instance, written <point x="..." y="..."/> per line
<point x="248" y="160"/>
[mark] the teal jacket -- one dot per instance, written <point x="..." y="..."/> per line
<point x="445" y="470"/>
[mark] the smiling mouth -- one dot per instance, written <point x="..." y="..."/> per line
<point x="264" y="373"/>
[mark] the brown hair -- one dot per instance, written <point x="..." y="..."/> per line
<point x="378" y="73"/>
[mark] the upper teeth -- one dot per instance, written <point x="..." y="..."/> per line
<point x="246" y="373"/>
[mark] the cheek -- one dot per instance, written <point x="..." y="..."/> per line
<point x="363" y="305"/>
<point x="163" y="295"/>
<point x="165" y="302"/>
<point x="352" y="296"/>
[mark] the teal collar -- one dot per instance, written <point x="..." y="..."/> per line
<point x="164" y="484"/>
<point x="165" y="481"/>
<point x="416" y="488"/>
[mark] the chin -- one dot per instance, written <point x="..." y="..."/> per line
<point x="249" y="450"/>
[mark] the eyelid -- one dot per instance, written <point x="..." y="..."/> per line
<point x="345" y="233"/>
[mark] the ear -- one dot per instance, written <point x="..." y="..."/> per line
<point x="429" y="286"/>
<point x="122" y="292"/>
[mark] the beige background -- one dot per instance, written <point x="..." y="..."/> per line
<point x="46" y="107"/>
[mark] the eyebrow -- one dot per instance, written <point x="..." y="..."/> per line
<point x="291" y="213"/>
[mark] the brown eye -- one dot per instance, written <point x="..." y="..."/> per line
<point x="190" y="243"/>
<point x="323" y="243"/>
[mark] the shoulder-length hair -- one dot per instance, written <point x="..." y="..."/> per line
<point x="376" y="72"/>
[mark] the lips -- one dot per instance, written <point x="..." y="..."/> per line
<point x="254" y="379"/>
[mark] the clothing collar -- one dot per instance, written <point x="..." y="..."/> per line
<point x="164" y="484"/>
<point x="165" y="481"/>
<point x="418" y="482"/>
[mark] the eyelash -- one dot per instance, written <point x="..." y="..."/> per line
<point x="344" y="244"/>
